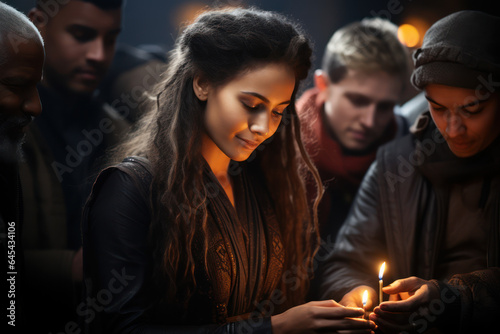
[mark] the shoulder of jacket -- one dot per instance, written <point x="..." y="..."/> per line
<point x="392" y="149"/>
<point x="402" y="126"/>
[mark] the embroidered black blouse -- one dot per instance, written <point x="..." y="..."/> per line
<point x="244" y="260"/>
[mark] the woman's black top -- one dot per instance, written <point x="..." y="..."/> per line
<point x="244" y="260"/>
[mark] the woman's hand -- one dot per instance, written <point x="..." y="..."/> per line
<point x="318" y="316"/>
<point x="408" y="296"/>
<point x="354" y="297"/>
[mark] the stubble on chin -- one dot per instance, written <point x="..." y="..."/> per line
<point x="11" y="149"/>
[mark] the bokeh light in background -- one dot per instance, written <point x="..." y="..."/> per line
<point x="184" y="14"/>
<point x="158" y="22"/>
<point x="408" y="35"/>
<point x="412" y="30"/>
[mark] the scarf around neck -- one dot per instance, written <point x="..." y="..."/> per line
<point x="332" y="160"/>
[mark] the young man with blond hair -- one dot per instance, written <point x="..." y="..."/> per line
<point x="350" y="113"/>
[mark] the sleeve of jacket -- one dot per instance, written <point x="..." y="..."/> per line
<point x="117" y="266"/>
<point x="469" y="303"/>
<point x="359" y="247"/>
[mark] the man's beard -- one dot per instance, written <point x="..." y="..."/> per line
<point x="12" y="137"/>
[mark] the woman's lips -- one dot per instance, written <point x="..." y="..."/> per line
<point x="248" y="144"/>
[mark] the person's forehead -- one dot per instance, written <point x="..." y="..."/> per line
<point x="360" y="76"/>
<point x="377" y="85"/>
<point x="449" y="94"/>
<point x="87" y="14"/>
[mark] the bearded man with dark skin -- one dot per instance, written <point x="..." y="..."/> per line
<point x="21" y="63"/>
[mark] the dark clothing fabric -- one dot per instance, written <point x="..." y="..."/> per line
<point x="463" y="248"/>
<point x="75" y="136"/>
<point x="243" y="265"/>
<point x="11" y="247"/>
<point x="479" y="301"/>
<point x="64" y="150"/>
<point x="401" y="215"/>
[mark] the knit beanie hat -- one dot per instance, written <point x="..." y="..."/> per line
<point x="460" y="50"/>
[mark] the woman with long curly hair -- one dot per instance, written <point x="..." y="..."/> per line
<point x="205" y="225"/>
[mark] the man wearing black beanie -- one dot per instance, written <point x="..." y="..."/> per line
<point x="64" y="149"/>
<point x="430" y="204"/>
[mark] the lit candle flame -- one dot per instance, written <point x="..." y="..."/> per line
<point x="381" y="272"/>
<point x="365" y="298"/>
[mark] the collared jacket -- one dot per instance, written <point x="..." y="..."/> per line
<point x="399" y="217"/>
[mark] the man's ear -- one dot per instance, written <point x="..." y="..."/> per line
<point x="321" y="80"/>
<point x="201" y="87"/>
<point x="39" y="18"/>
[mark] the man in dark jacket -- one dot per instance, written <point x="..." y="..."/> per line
<point x="65" y="149"/>
<point x="21" y="63"/>
<point x="429" y="205"/>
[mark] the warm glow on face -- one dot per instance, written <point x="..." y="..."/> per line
<point x="469" y="119"/>
<point x="244" y="112"/>
<point x="408" y="35"/>
<point x="381" y="272"/>
<point x="365" y="297"/>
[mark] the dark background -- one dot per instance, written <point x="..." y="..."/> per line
<point x="157" y="21"/>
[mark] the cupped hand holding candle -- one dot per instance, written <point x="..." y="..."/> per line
<point x="354" y="298"/>
<point x="409" y="296"/>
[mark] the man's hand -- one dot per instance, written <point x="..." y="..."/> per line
<point x="407" y="296"/>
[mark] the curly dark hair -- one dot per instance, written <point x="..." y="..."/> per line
<point x="218" y="46"/>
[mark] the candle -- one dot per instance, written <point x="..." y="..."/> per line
<point x="364" y="300"/>
<point x="381" y="282"/>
